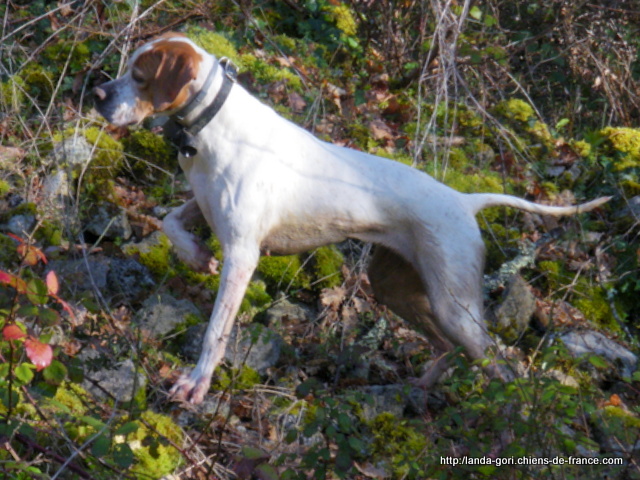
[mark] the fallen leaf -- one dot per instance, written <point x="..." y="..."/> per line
<point x="40" y="354"/>
<point x="380" y="130"/>
<point x="296" y="102"/>
<point x="332" y="297"/>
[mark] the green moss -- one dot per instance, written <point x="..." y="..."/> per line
<point x="626" y="418"/>
<point x="343" y="18"/>
<point x="581" y="147"/>
<point x="51" y="233"/>
<point x="5" y="187"/>
<point x="154" y="455"/>
<point x="146" y="147"/>
<point x="77" y="53"/>
<point x="255" y="298"/>
<point x="12" y="94"/>
<point x="40" y="82"/>
<point x="214" y="43"/>
<point x="155" y="254"/>
<point x="73" y="397"/>
<point x="283" y="272"/>
<point x="266" y="73"/>
<point x="396" y="442"/>
<point x="457" y="159"/>
<point x="327" y="267"/>
<point x="625" y="141"/>
<point x="592" y="301"/>
<point x="516" y="109"/>
<point x="554" y="273"/>
<point x="244" y="378"/>
<point x="108" y="154"/>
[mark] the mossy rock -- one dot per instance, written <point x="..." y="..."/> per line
<point x="283" y="272"/>
<point x="146" y="150"/>
<point x="154" y="456"/>
<point x="327" y="267"/>
<point x="154" y="252"/>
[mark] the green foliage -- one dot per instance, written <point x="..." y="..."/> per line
<point x="154" y="444"/>
<point x="399" y="444"/>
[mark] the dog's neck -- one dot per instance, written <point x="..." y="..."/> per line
<point x="185" y="124"/>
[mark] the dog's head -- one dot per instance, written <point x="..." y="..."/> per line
<point x="159" y="79"/>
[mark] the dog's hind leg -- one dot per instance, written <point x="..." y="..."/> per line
<point x="451" y="271"/>
<point x="397" y="285"/>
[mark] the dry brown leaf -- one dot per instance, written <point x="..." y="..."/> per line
<point x="332" y="298"/>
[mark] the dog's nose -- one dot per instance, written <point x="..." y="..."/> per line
<point x="99" y="93"/>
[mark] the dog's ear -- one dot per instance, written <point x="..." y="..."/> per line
<point x="165" y="71"/>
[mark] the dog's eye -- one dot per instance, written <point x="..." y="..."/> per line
<point x="137" y="77"/>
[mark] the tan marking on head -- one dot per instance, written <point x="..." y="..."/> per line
<point x="163" y="73"/>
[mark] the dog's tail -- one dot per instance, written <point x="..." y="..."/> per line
<point x="480" y="201"/>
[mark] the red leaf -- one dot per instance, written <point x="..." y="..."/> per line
<point x="13" y="281"/>
<point x="52" y="283"/>
<point x="13" y="332"/>
<point x="5" y="277"/>
<point x="40" y="354"/>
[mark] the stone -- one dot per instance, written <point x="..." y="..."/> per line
<point x="161" y="314"/>
<point x="121" y="382"/>
<point x="587" y="342"/>
<point x="260" y="355"/>
<point x="75" y="151"/>
<point x="21" y="225"/>
<point x="129" y="279"/>
<point x="83" y="275"/>
<point x="516" y="309"/>
<point x="110" y="225"/>
<point x="284" y="310"/>
<point x="394" y="399"/>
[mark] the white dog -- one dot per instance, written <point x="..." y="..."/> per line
<point x="266" y="186"/>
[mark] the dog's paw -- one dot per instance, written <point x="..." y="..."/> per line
<point x="199" y="258"/>
<point x="190" y="389"/>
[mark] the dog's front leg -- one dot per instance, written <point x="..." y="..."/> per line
<point x="237" y="269"/>
<point x="188" y="248"/>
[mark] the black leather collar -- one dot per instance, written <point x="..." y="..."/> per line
<point x="183" y="135"/>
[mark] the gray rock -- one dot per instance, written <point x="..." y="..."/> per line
<point x="81" y="275"/>
<point x="516" y="309"/>
<point x="56" y="185"/>
<point x="21" y="225"/>
<point x="283" y="309"/>
<point x="110" y="225"/>
<point x="128" y="278"/>
<point x="161" y="314"/>
<point x="394" y="399"/>
<point x="75" y="151"/>
<point x="257" y="346"/>
<point x="121" y="382"/>
<point x="213" y="406"/>
<point x="586" y="342"/>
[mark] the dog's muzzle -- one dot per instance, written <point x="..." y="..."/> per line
<point x="101" y="96"/>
